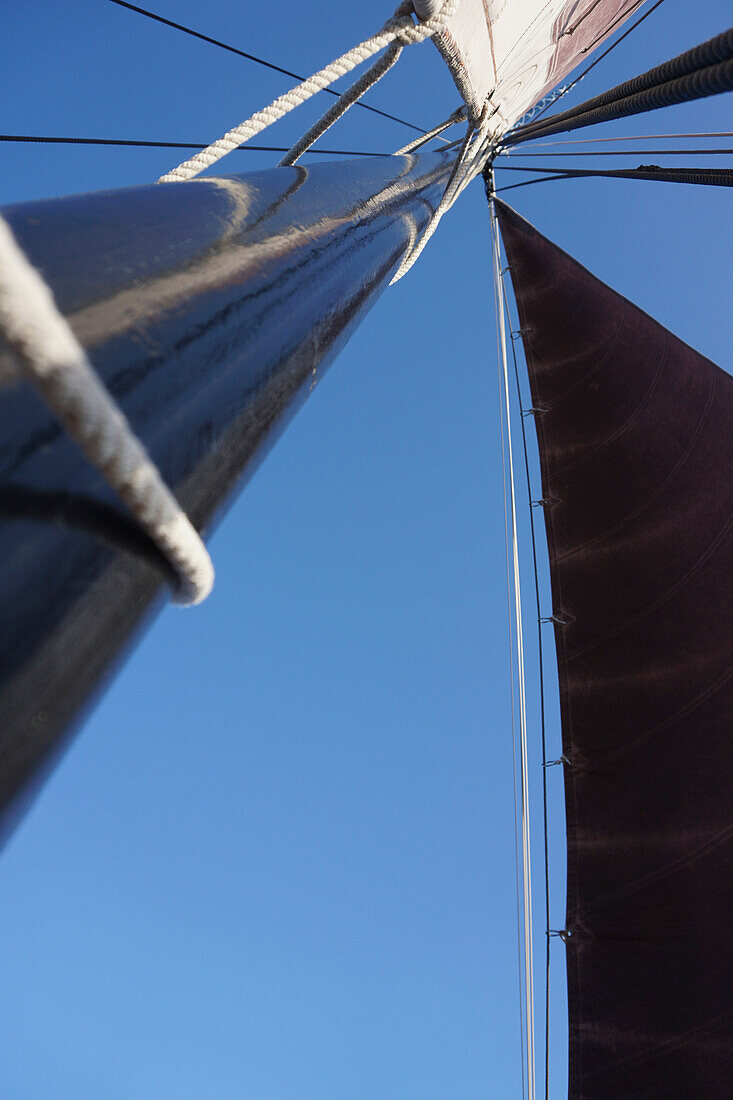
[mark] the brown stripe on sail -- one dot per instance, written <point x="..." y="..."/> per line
<point x="635" y="439"/>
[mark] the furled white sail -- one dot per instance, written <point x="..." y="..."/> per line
<point x="515" y="51"/>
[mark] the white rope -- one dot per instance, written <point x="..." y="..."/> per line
<point x="446" y="201"/>
<point x="524" y="761"/>
<point x="359" y="88"/>
<point x="469" y="162"/>
<point x="458" y="115"/>
<point x="399" y="29"/>
<point x="51" y="357"/>
<point x="397" y="32"/>
<point x="53" y="360"/>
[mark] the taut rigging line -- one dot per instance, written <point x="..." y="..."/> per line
<point x="252" y="57"/>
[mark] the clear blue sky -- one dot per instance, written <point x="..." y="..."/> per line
<point x="278" y="861"/>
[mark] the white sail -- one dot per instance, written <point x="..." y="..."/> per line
<point x="518" y="50"/>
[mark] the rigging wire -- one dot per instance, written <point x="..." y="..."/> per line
<point x="704" y="70"/>
<point x="39" y="139"/>
<point x="606" y="52"/>
<point x="253" y="57"/>
<point x="628" y="153"/>
<point x="564" y="91"/>
<point x="397" y="32"/>
<point x="543" y="723"/>
<point x="517" y="882"/>
<point x="634" y="137"/>
<point x="521" y="692"/>
<point x="625" y="172"/>
<point x="33" y="139"/>
<point x="573" y="175"/>
<point x="711" y="177"/>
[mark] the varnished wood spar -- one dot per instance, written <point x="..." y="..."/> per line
<point x="209" y="308"/>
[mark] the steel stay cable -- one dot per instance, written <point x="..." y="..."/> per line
<point x="525" y="806"/>
<point x="518" y="885"/>
<point x="39" y="139"/>
<point x="33" y="139"/>
<point x="600" y="171"/>
<point x="625" y="153"/>
<point x="543" y="723"/>
<point x="577" y="175"/>
<point x="252" y="57"/>
<point x="632" y="137"/>
<point x="710" y="177"/>
<point x="540" y="656"/>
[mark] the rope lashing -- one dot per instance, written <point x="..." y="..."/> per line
<point x="399" y="30"/>
<point x="469" y="163"/>
<point x="457" y="116"/>
<point x="48" y="354"/>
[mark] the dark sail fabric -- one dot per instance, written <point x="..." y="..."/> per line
<point x="636" y="448"/>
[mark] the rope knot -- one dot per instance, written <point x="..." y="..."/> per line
<point x="431" y="15"/>
<point x="436" y="22"/>
<point x="402" y="29"/>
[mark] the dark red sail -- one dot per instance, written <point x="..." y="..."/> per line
<point x="636" y="448"/>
